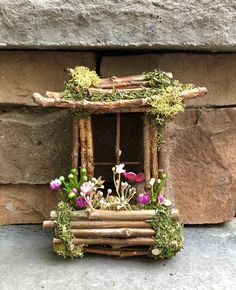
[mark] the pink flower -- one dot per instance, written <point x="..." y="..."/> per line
<point x="131" y="176"/>
<point x="86" y="187"/>
<point x="81" y="202"/>
<point x="55" y="184"/>
<point x="161" y="199"/>
<point x="144" y="198"/>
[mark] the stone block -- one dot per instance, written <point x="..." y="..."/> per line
<point x="200" y="158"/>
<point x="215" y="71"/>
<point x="25" y="72"/>
<point x="35" y="145"/>
<point x="162" y="24"/>
<point x="24" y="204"/>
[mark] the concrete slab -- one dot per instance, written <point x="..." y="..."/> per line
<point x="207" y="262"/>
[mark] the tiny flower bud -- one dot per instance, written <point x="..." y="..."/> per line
<point x="70" y="176"/>
<point x="158" y="180"/>
<point x="71" y="195"/>
<point x="109" y="191"/>
<point x="152" y="181"/>
<point x="61" y="178"/>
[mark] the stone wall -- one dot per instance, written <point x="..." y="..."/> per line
<point x="35" y="144"/>
<point x="157" y="24"/>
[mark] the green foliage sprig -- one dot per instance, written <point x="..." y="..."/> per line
<point x="63" y="232"/>
<point x="168" y="233"/>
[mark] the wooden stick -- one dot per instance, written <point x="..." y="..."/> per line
<point x="122" y="85"/>
<point x="83" y="150"/>
<point x="90" y="155"/>
<point x="117" y="149"/>
<point x="146" y="146"/>
<point x="113" y="233"/>
<point x="193" y="93"/>
<point x="112" y="241"/>
<point x="154" y="149"/>
<point x="120" y="253"/>
<point x="90" y="105"/>
<point x="91" y="224"/>
<point x="125" y="215"/>
<point x="75" y="142"/>
<point x="112" y="215"/>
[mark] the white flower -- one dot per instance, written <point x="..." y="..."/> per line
<point x="158" y="180"/>
<point x="109" y="191"/>
<point x="167" y="202"/>
<point x="152" y="181"/>
<point x="120" y="168"/>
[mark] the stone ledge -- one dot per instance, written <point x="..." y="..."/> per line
<point x="195" y="25"/>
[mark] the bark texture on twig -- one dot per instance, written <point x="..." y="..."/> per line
<point x="146" y="146"/>
<point x="154" y="149"/>
<point x="83" y="143"/>
<point x="90" y="154"/>
<point x="75" y="142"/>
<point x="117" y="148"/>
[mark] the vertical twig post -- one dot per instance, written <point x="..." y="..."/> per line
<point x="117" y="149"/>
<point x="146" y="146"/>
<point x="75" y="142"/>
<point x="154" y="149"/>
<point x="83" y="150"/>
<point x="90" y="155"/>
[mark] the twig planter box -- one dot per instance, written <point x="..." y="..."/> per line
<point x="116" y="233"/>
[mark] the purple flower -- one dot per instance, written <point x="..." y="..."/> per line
<point x="161" y="199"/>
<point x="81" y="202"/>
<point x="74" y="190"/>
<point x="87" y="187"/>
<point x="55" y="184"/>
<point x="144" y="198"/>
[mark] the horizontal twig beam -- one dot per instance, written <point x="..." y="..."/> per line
<point x="113" y="233"/>
<point x="126" y="163"/>
<point x="112" y="241"/>
<point x="119" y="253"/>
<point x="134" y="105"/>
<point x="111" y="215"/>
<point x="89" y="224"/>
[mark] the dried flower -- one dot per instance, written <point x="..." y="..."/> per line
<point x="81" y="202"/>
<point x="144" y="198"/>
<point x="161" y="199"/>
<point x="152" y="181"/>
<point x="131" y="176"/>
<point x="167" y="202"/>
<point x="120" y="168"/>
<point x="55" y="184"/>
<point x="87" y="187"/>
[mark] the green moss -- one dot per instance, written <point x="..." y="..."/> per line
<point x="163" y="92"/>
<point x="63" y="232"/>
<point x="168" y="234"/>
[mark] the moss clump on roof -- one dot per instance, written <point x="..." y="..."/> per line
<point x="162" y="91"/>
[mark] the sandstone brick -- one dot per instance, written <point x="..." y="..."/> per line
<point x="200" y="158"/>
<point x="215" y="71"/>
<point x="20" y="204"/>
<point x="35" y="145"/>
<point x="25" y="72"/>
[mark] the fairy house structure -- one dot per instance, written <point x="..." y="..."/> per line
<point x="143" y="137"/>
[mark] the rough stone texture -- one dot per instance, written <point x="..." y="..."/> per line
<point x="35" y="145"/>
<point x="21" y="204"/>
<point x="203" y="24"/>
<point x="200" y="158"/>
<point x="215" y="71"/>
<point x="25" y="72"/>
<point x="207" y="262"/>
